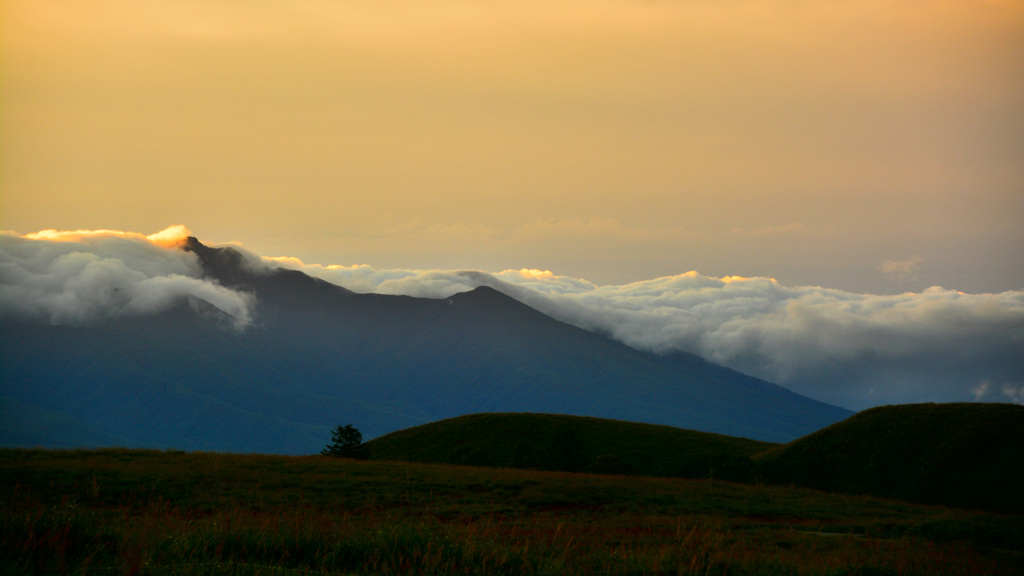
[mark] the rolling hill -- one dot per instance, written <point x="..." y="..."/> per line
<point x="962" y="455"/>
<point x="318" y="355"/>
<point x="572" y="443"/>
<point x="966" y="455"/>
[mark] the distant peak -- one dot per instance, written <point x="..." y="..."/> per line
<point x="192" y="244"/>
<point x="234" y="269"/>
<point x="207" y="253"/>
<point x="224" y="264"/>
<point x="486" y="297"/>
<point x="485" y="290"/>
<point x="480" y="294"/>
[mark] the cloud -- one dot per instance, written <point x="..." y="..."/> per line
<point x="169" y="237"/>
<point x="855" y="350"/>
<point x="901" y="269"/>
<point x="1014" y="392"/>
<point x="87" y="276"/>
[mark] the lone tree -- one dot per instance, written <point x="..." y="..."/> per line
<point x="346" y="442"/>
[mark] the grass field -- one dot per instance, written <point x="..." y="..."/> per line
<point x="147" y="512"/>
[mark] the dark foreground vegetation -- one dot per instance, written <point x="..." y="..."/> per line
<point x="147" y="512"/>
<point x="957" y="454"/>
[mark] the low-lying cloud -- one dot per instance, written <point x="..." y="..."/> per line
<point x="855" y="350"/>
<point x="84" y="277"/>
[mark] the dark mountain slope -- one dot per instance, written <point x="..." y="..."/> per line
<point x="26" y="425"/>
<point x="968" y="455"/>
<point x="571" y="443"/>
<point x="318" y="355"/>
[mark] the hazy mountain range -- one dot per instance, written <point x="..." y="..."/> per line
<point x="315" y="355"/>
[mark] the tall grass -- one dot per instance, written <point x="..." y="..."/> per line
<point x="121" y="512"/>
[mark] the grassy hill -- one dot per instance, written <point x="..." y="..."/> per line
<point x="570" y="443"/>
<point x="966" y="455"/>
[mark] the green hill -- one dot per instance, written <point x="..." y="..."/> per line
<point x="966" y="455"/>
<point x="573" y="443"/>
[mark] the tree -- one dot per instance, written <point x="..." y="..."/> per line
<point x="346" y="442"/>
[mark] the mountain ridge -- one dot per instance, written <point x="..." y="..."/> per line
<point x="317" y="355"/>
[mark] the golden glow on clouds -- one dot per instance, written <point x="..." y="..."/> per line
<point x="288" y="261"/>
<point x="608" y="139"/>
<point x="731" y="279"/>
<point x="170" y="237"/>
<point x="80" y="277"/>
<point x="534" y="274"/>
<point x="78" y="235"/>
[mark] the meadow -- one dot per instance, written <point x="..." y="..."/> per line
<point x="116" y="511"/>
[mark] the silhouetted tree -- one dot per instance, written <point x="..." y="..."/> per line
<point x="346" y="442"/>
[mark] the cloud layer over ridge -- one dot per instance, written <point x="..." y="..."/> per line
<point x="83" y="277"/>
<point x="854" y="350"/>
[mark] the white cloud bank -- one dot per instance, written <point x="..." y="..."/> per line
<point x="88" y="276"/>
<point x="854" y="350"/>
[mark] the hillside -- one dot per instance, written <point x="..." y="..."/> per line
<point x="556" y="442"/>
<point x="317" y="355"/>
<point x="967" y="455"/>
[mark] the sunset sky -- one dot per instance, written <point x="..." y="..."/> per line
<point x="865" y="145"/>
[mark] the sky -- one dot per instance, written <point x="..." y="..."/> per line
<point x="825" y="194"/>
<point x="864" y="145"/>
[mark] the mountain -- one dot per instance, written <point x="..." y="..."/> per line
<point x="571" y="443"/>
<point x="318" y="355"/>
<point x="966" y="455"/>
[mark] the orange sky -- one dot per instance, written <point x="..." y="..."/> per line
<point x="865" y="145"/>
